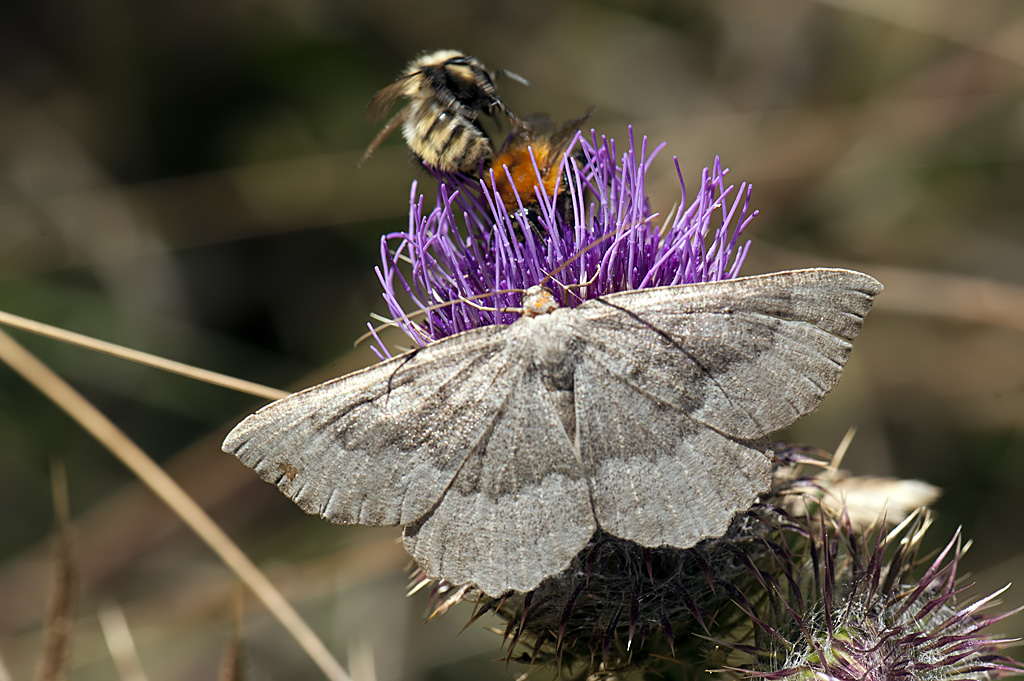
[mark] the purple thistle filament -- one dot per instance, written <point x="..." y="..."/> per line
<point x="466" y="260"/>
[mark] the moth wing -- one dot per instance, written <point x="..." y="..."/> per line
<point x="380" y="446"/>
<point x="747" y="356"/>
<point x="519" y="509"/>
<point x="658" y="476"/>
<point x="704" y="373"/>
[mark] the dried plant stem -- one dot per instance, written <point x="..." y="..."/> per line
<point x="231" y="667"/>
<point x="959" y="298"/>
<point x="60" y="616"/>
<point x="962" y="298"/>
<point x="1002" y="44"/>
<point x="139" y="357"/>
<point x="360" y="660"/>
<point x="101" y="428"/>
<point x="120" y="642"/>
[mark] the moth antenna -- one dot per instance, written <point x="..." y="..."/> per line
<point x="485" y="308"/>
<point x="576" y="257"/>
<point x="515" y="310"/>
<point x="571" y="288"/>
<point x="422" y="311"/>
<point x="594" y="243"/>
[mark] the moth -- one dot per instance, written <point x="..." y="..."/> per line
<point x="501" y="450"/>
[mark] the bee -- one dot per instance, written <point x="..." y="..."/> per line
<point x="548" y="143"/>
<point x="447" y="90"/>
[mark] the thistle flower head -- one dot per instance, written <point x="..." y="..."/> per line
<point x="867" y="607"/>
<point x="802" y="586"/>
<point x="806" y="596"/>
<point x="465" y="259"/>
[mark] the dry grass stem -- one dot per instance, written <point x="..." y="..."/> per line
<point x="231" y="668"/>
<point x="360" y="661"/>
<point x="60" y="614"/>
<point x="139" y="357"/>
<point x="944" y="295"/>
<point x="101" y="428"/>
<point x="120" y="643"/>
<point x="930" y="19"/>
<point x="965" y="299"/>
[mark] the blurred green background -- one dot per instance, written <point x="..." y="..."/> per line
<point x="181" y="177"/>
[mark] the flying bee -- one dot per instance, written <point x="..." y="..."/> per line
<point x="513" y="167"/>
<point x="447" y="90"/>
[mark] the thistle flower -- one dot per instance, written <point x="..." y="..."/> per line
<point x="860" y="500"/>
<point x="866" y="607"/>
<point x="464" y="263"/>
<point x="807" y="597"/>
<point x="795" y="588"/>
<point x="466" y="260"/>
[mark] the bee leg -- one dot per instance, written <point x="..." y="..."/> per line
<point x="389" y="128"/>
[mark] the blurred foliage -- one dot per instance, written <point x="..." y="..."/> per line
<point x="181" y="177"/>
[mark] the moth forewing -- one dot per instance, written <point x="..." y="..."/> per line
<point x="381" y="445"/>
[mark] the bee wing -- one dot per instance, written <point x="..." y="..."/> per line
<point x="534" y="125"/>
<point x="528" y="129"/>
<point x="388" y="128"/>
<point x="385" y="97"/>
<point x="561" y="137"/>
<point x="702" y="374"/>
<point x="540" y="125"/>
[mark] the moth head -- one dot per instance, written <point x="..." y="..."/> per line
<point x="537" y="301"/>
